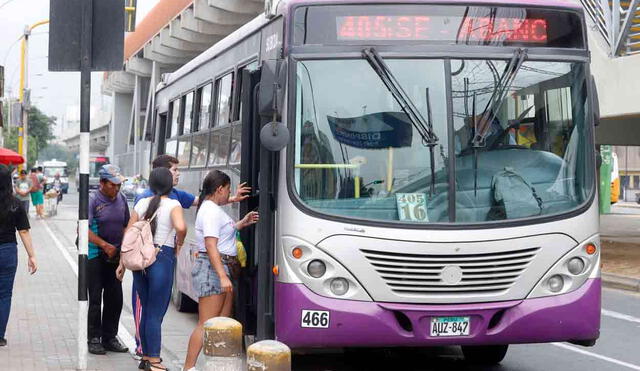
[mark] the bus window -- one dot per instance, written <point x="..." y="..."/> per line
<point x="184" y="151"/>
<point x="251" y="67"/>
<point x="236" y="146"/>
<point x="171" y="147"/>
<point x="174" y="125"/>
<point x="188" y="113"/>
<point x="203" y="112"/>
<point x="199" y="149"/>
<point x="223" y="111"/>
<point x="219" y="147"/>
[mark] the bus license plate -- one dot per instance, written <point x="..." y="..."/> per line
<point x="450" y="326"/>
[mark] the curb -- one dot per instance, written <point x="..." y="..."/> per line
<point x="621" y="282"/>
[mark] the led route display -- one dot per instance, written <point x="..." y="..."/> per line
<point x="472" y="30"/>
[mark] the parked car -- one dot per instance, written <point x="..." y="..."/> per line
<point x="132" y="187"/>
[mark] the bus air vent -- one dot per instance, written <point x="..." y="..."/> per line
<point x="436" y="274"/>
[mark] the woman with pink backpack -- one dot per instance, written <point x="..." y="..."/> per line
<point x="155" y="281"/>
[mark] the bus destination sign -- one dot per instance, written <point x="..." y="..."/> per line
<point x="472" y="30"/>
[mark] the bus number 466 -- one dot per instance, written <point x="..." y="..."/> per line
<point x="315" y="319"/>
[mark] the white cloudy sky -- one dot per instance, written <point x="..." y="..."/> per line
<point x="51" y="91"/>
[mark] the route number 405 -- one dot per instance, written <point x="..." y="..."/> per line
<point x="412" y="207"/>
<point x="315" y="319"/>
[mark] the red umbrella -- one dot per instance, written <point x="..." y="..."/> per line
<point x="8" y="157"/>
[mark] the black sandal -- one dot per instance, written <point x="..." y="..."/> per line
<point x="150" y="366"/>
<point x="143" y="364"/>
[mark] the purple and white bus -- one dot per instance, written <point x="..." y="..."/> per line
<point x="424" y="171"/>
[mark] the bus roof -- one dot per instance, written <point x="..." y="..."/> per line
<point x="546" y="3"/>
<point x="53" y="163"/>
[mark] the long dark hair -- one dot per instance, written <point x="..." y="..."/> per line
<point x="161" y="184"/>
<point x="211" y="182"/>
<point x="8" y="202"/>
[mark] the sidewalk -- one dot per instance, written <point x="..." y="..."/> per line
<point x="42" y="328"/>
<point x="620" y="238"/>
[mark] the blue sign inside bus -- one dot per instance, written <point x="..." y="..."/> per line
<point x="373" y="131"/>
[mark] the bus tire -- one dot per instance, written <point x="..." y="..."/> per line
<point x="485" y="354"/>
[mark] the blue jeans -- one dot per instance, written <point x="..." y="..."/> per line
<point x="8" y="266"/>
<point x="154" y="289"/>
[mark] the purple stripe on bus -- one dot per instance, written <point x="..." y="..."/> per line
<point x="571" y="316"/>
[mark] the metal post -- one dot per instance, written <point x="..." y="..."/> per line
<point x="83" y="208"/>
<point x="23" y="66"/>
<point x="222" y="344"/>
<point x="268" y="355"/>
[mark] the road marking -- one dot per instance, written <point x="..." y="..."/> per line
<point x="622" y="316"/>
<point x="123" y="333"/>
<point x="594" y="355"/>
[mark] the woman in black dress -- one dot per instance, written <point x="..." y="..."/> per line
<point x="13" y="217"/>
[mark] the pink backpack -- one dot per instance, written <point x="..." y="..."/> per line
<point x="137" y="251"/>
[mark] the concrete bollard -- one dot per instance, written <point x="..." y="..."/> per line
<point x="222" y="344"/>
<point x="268" y="355"/>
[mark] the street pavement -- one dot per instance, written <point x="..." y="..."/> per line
<point x="42" y="328"/>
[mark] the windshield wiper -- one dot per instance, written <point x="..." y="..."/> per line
<point x="497" y="97"/>
<point x="424" y="127"/>
<point x="493" y="106"/>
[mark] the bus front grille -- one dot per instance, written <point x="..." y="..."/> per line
<point x="459" y="274"/>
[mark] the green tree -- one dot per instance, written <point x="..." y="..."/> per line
<point x="40" y="127"/>
<point x="11" y="142"/>
<point x="40" y="132"/>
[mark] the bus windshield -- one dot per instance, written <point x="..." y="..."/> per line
<point x="505" y="150"/>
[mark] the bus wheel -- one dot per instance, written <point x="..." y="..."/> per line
<point x="485" y="355"/>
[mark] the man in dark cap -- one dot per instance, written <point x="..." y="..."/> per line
<point x="108" y="218"/>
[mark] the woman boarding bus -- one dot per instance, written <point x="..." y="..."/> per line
<point x="436" y="183"/>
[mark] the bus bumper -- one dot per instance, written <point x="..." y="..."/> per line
<point x="574" y="316"/>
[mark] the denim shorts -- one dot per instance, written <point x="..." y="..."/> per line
<point x="205" y="279"/>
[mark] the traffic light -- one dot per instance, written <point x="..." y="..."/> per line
<point x="130" y="15"/>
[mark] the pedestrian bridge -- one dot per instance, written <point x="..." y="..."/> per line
<point x="175" y="31"/>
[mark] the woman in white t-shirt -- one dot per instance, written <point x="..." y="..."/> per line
<point x="216" y="239"/>
<point x="155" y="282"/>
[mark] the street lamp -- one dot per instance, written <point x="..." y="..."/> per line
<point x="23" y="132"/>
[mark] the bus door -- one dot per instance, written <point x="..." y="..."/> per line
<point x="246" y="303"/>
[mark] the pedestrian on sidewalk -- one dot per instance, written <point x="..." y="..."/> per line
<point x="23" y="187"/>
<point x="37" y="196"/>
<point x="216" y="264"/>
<point x="186" y="200"/>
<point x="13" y="217"/>
<point x="108" y="217"/>
<point x="155" y="282"/>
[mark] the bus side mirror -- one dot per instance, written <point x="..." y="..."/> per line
<point x="274" y="136"/>
<point x="595" y="102"/>
<point x="273" y="78"/>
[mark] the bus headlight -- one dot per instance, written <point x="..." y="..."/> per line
<point x="556" y="283"/>
<point x="575" y="266"/>
<point x="571" y="271"/>
<point x="301" y="262"/>
<point x="316" y="268"/>
<point x="339" y="286"/>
